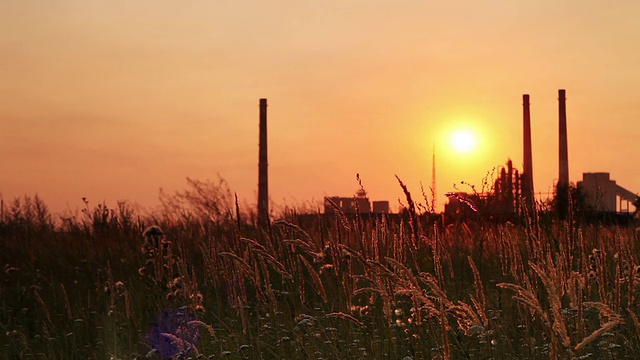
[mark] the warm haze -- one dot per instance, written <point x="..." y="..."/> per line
<point x="115" y="99"/>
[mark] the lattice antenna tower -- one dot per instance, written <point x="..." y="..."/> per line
<point x="434" y="191"/>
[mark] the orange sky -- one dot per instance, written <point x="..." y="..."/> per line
<point x="114" y="99"/>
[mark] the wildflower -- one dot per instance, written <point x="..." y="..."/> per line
<point x="153" y="231"/>
<point x="170" y="333"/>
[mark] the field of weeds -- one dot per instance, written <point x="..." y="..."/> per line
<point x="198" y="280"/>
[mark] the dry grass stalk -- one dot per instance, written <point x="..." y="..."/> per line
<point x="444" y="323"/>
<point x="413" y="222"/>
<point x="466" y="317"/>
<point x="204" y="325"/>
<point x="634" y="272"/>
<point x="506" y="260"/>
<point x="344" y="316"/>
<point x="183" y="345"/>
<point x="605" y="311"/>
<point x="275" y="263"/>
<point x="367" y="289"/>
<point x="517" y="267"/>
<point x="67" y="306"/>
<point x="436" y="251"/>
<point x="253" y="243"/>
<point x="300" y="279"/>
<point x="432" y="282"/>
<point x="480" y="301"/>
<point x="127" y="304"/>
<point x="268" y="288"/>
<point x="299" y="243"/>
<point x="43" y="306"/>
<point x="383" y="270"/>
<point x="574" y="287"/>
<point x="241" y="310"/>
<point x="553" y="292"/>
<point x="295" y="227"/>
<point x="635" y="321"/>
<point x="316" y="279"/>
<point x="605" y="328"/>
<point x="243" y="264"/>
<point x="379" y="237"/>
<point x="526" y="297"/>
<point x="597" y="264"/>
<point x="383" y="286"/>
<point x="355" y="254"/>
<point x="402" y="270"/>
<point x="398" y="246"/>
<point x="343" y="220"/>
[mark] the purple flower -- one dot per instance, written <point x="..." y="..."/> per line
<point x="171" y="335"/>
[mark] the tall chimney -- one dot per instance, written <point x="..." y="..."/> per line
<point x="562" y="188"/>
<point x="563" y="178"/>
<point x="263" y="176"/>
<point x="527" y="175"/>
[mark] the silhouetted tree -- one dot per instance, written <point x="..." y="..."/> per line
<point x="576" y="203"/>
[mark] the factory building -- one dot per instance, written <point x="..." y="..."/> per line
<point x="356" y="204"/>
<point x="603" y="194"/>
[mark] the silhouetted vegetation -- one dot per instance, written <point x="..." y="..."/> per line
<point x="198" y="279"/>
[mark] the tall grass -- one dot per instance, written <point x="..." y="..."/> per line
<point x="199" y="280"/>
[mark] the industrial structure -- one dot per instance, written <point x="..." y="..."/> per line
<point x="263" y="175"/>
<point x="503" y="202"/>
<point x="349" y="205"/>
<point x="527" y="173"/>
<point x="358" y="204"/>
<point x="512" y="192"/>
<point x="600" y="192"/>
<point x="562" y="187"/>
<point x="604" y="195"/>
<point x="434" y="191"/>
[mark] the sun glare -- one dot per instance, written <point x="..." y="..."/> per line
<point x="463" y="141"/>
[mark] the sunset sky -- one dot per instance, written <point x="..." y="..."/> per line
<point x="113" y="100"/>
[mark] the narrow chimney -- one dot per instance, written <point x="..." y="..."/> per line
<point x="527" y="176"/>
<point x="563" y="178"/>
<point x="263" y="177"/>
<point x="562" y="188"/>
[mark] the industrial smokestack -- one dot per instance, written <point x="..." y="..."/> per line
<point x="563" y="178"/>
<point x="527" y="175"/>
<point x="562" y="188"/>
<point x="263" y="176"/>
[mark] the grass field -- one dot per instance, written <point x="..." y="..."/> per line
<point x="202" y="282"/>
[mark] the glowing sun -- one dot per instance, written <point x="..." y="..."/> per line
<point x="463" y="141"/>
